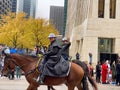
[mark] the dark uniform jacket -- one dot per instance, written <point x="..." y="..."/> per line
<point x="65" y="51"/>
<point x="52" y="58"/>
<point x="98" y="69"/>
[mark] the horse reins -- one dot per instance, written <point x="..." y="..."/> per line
<point x="35" y="69"/>
<point x="27" y="73"/>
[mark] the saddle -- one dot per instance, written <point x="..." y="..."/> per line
<point x="60" y="69"/>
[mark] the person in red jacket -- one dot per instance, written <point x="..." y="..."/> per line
<point x="104" y="72"/>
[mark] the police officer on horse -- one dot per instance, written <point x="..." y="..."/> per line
<point x="51" y="58"/>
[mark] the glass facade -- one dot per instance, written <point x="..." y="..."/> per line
<point x="14" y="5"/>
<point x="101" y="5"/>
<point x="105" y="45"/>
<point x="112" y="8"/>
<point x="27" y="6"/>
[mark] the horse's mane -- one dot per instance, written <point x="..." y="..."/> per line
<point x="34" y="58"/>
<point x="26" y="57"/>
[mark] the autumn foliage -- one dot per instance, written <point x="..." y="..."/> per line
<point x="18" y="31"/>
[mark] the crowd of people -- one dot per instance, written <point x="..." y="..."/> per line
<point x="108" y="74"/>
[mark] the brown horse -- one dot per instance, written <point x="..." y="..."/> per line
<point x="29" y="66"/>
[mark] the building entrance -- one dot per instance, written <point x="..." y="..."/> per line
<point x="105" y="50"/>
<point x="108" y="56"/>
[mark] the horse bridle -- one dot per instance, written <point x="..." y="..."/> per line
<point x="11" y="60"/>
<point x="8" y="63"/>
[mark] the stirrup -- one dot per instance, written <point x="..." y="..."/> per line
<point x="38" y="81"/>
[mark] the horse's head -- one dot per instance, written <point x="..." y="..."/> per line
<point x="8" y="64"/>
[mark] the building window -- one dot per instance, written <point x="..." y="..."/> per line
<point x="101" y="5"/>
<point x="112" y="8"/>
<point x="105" y="45"/>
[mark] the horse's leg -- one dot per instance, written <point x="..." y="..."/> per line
<point x="48" y="87"/>
<point x="52" y="87"/>
<point x="32" y="87"/>
<point x="79" y="86"/>
<point x="70" y="88"/>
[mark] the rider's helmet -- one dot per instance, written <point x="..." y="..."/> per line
<point x="64" y="39"/>
<point x="51" y="35"/>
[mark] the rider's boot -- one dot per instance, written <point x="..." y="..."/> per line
<point x="40" y="79"/>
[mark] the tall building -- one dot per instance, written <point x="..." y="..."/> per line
<point x="27" y="6"/>
<point x="33" y="8"/>
<point x="20" y="5"/>
<point x="65" y="15"/>
<point x="57" y="17"/>
<point x="14" y="5"/>
<point x="93" y="26"/>
<point x="7" y="6"/>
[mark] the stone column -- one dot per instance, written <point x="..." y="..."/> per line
<point x="107" y="9"/>
<point x="90" y="44"/>
<point x="94" y="4"/>
<point x="117" y="46"/>
<point x="118" y="9"/>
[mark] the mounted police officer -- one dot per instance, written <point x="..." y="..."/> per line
<point x="65" y="48"/>
<point x="52" y="57"/>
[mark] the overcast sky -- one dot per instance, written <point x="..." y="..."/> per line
<point x="43" y="7"/>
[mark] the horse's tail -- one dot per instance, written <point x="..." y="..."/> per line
<point x="92" y="82"/>
<point x="86" y="75"/>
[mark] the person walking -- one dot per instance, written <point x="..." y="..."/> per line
<point x="104" y="72"/>
<point x="77" y="56"/>
<point x="118" y="73"/>
<point x="113" y="68"/>
<point x="18" y="72"/>
<point x="98" y="72"/>
<point x="90" y="57"/>
<point x="108" y="77"/>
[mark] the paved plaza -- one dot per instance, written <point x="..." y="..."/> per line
<point x="21" y="84"/>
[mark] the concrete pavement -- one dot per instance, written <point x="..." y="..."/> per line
<point x="21" y="84"/>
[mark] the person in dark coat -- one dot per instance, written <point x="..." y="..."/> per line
<point x="98" y="72"/>
<point x="18" y="72"/>
<point x="113" y="68"/>
<point x="90" y="57"/>
<point x="77" y="56"/>
<point x="51" y="58"/>
<point x="65" y="48"/>
<point x="118" y="73"/>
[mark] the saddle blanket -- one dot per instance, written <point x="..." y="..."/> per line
<point x="60" y="69"/>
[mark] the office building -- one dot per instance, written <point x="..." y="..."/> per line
<point x="93" y="26"/>
<point x="27" y="6"/>
<point x="7" y="6"/>
<point x="57" y="17"/>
